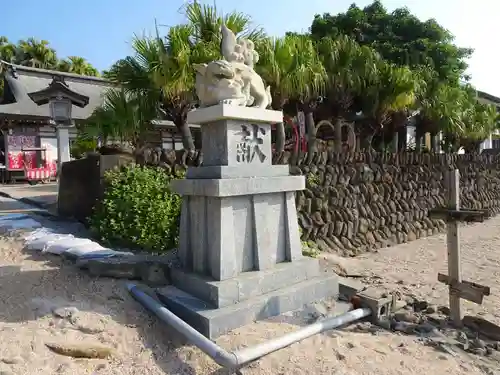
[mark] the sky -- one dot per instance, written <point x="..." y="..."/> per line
<point x="101" y="30"/>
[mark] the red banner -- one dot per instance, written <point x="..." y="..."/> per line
<point x="15" y="157"/>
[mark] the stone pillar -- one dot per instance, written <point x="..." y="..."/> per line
<point x="63" y="152"/>
<point x="427" y="141"/>
<point x="351" y="137"/>
<point x="402" y="138"/>
<point x="338" y="135"/>
<point x="435" y="142"/>
<point x="395" y="142"/>
<point x="240" y="252"/>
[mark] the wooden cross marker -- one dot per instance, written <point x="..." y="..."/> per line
<point x="453" y="239"/>
<point x="453" y="215"/>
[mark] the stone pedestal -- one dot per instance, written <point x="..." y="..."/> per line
<point x="240" y="248"/>
<point x="63" y="149"/>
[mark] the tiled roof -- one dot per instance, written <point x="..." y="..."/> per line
<point x="23" y="80"/>
<point x="488" y="98"/>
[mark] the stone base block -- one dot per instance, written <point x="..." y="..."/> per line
<point x="216" y="322"/>
<point x="151" y="269"/>
<point x="225" y="236"/>
<point x="233" y="187"/>
<point x="247" y="284"/>
<point x="241" y="171"/>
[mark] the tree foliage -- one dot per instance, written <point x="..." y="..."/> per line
<point x="123" y="116"/>
<point x="366" y="66"/>
<point x="81" y="145"/>
<point x="399" y="36"/>
<point x="161" y="67"/>
<point x="38" y="54"/>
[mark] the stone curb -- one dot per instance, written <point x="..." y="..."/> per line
<point x="30" y="202"/>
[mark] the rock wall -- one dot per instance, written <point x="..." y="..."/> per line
<point x="359" y="202"/>
<point x="353" y="202"/>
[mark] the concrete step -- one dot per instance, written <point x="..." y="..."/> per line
<point x="213" y="322"/>
<point x="247" y="284"/>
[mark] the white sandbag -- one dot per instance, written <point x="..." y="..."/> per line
<point x="106" y="253"/>
<point x="18" y="224"/>
<point x="78" y="251"/>
<point x="42" y="242"/>
<point x="61" y="245"/>
<point x="37" y="233"/>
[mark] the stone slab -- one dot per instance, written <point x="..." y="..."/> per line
<point x="151" y="269"/>
<point x="237" y="186"/>
<point x="224" y="112"/>
<point x="216" y="322"/>
<point x="247" y="284"/>
<point x="348" y="288"/>
<point x="224" y="171"/>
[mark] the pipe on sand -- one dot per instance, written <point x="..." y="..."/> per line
<point x="239" y="358"/>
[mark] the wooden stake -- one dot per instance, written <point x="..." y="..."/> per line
<point x="453" y="239"/>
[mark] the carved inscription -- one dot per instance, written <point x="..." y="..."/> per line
<point x="250" y="144"/>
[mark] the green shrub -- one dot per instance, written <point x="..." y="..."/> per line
<point x="309" y="248"/>
<point x="312" y="180"/>
<point x="81" y="145"/>
<point x="138" y="210"/>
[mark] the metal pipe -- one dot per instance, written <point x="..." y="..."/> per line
<point x="210" y="348"/>
<point x="237" y="359"/>
<point x="253" y="353"/>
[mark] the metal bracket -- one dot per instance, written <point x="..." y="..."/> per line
<point x="475" y="216"/>
<point x="467" y="290"/>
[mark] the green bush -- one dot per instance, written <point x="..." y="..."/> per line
<point x="309" y="248"/>
<point x="81" y="145"/>
<point x="138" y="210"/>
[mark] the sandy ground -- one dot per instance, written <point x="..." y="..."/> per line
<point x="32" y="286"/>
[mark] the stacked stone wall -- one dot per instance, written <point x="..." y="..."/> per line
<point x="355" y="202"/>
<point x="359" y="202"/>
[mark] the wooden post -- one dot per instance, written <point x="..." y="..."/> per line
<point x="453" y="239"/>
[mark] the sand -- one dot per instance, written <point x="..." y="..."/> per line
<point x="34" y="288"/>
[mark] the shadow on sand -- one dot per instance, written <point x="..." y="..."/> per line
<point x="35" y="290"/>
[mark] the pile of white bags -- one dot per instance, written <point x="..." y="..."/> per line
<point x="39" y="238"/>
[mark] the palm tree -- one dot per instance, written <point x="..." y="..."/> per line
<point x="478" y="122"/>
<point x="162" y="72"/>
<point x="440" y="110"/>
<point x="392" y="89"/>
<point x="123" y="115"/>
<point x="486" y="120"/>
<point x="206" y="23"/>
<point x="472" y="123"/>
<point x="309" y="68"/>
<point x="8" y="51"/>
<point x="349" y="67"/>
<point x="77" y="65"/>
<point x="282" y="67"/>
<point x="292" y="67"/>
<point x="161" y="69"/>
<point x="36" y="54"/>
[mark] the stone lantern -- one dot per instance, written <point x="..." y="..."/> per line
<point x="61" y="100"/>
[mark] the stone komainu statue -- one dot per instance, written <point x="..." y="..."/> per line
<point x="232" y="80"/>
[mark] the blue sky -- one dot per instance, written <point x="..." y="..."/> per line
<point x="101" y="30"/>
